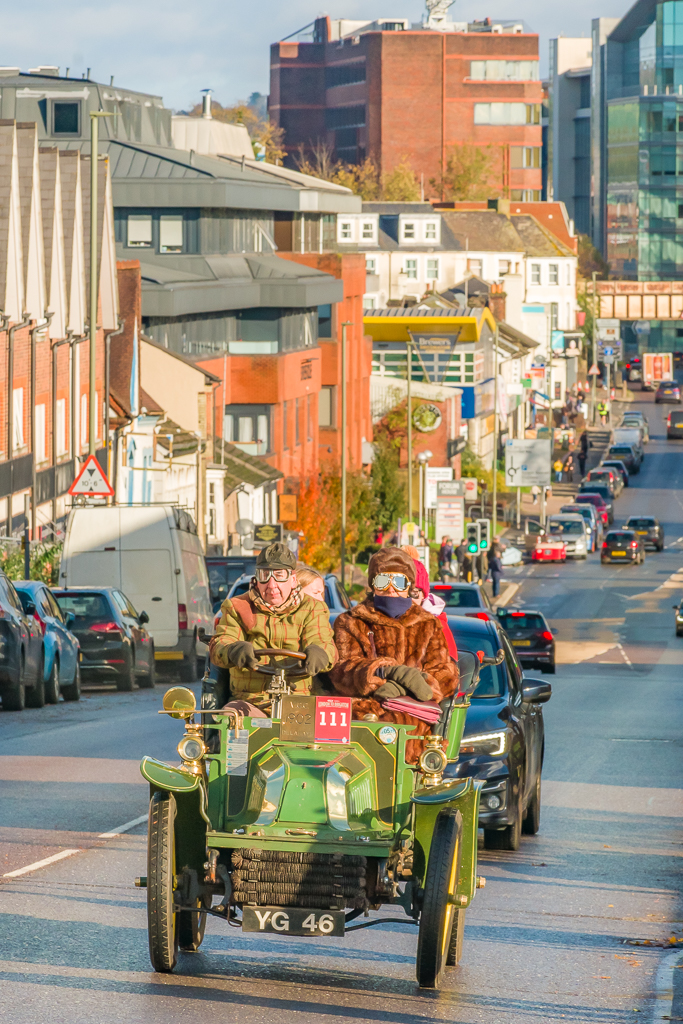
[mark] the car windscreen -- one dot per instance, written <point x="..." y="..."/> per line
<point x="619" y="536"/>
<point x="676" y="417"/>
<point x="616" y="464"/>
<point x="580" y="510"/>
<point x="641" y="524"/>
<point x="621" y="449"/>
<point x="599" y="489"/>
<point x="492" y="679"/>
<point x="457" y="597"/>
<point x="511" y="621"/>
<point x="565" y="526"/>
<point x="87" y="608"/>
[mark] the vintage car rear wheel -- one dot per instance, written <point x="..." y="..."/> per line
<point x="441" y="881"/>
<point x="161" y="918"/>
<point x="191" y="926"/>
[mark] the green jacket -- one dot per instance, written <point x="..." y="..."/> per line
<point x="294" y="631"/>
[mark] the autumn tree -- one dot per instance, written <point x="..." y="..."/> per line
<point x="472" y="172"/>
<point x="261" y="130"/>
<point x="319" y="517"/>
<point x="590" y="260"/>
<point x="364" y="179"/>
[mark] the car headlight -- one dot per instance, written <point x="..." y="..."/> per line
<point x="191" y="748"/>
<point x="485" y="743"/>
<point x="433" y="761"/>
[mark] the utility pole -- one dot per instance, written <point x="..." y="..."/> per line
<point x="27" y="537"/>
<point x="494" y="516"/>
<point x="345" y="325"/>
<point x="595" y="349"/>
<point x="94" y="163"/>
<point x="409" y="352"/>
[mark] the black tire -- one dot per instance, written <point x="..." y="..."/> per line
<point x="73" y="690"/>
<point x="147" y="681"/>
<point x="454" y="954"/>
<point x="161" y="918"/>
<point x="14" y="694"/>
<point x="550" y="668"/>
<point x="507" y="838"/>
<point x="35" y="695"/>
<point x="52" y="688"/>
<point x="125" y="680"/>
<point x="187" y="671"/>
<point x="441" y="881"/>
<point x="532" y="818"/>
<point x="191" y="926"/>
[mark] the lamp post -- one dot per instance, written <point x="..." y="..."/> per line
<point x="347" y="323"/>
<point x="409" y="352"/>
<point x="423" y="460"/>
<point x="494" y="516"/>
<point x="92" y="331"/>
<point x="595" y="351"/>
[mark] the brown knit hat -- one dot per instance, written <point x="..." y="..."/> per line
<point x="391" y="560"/>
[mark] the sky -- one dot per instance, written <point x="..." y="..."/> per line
<point x="174" y="49"/>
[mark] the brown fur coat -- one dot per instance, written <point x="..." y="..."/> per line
<point x="366" y="638"/>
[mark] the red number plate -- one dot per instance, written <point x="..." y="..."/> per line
<point x="333" y="719"/>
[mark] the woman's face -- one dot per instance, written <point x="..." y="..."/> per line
<point x="392" y="591"/>
<point x="316" y="589"/>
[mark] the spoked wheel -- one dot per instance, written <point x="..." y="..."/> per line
<point x="437" y="917"/>
<point x="191" y="926"/>
<point x="161" y="918"/>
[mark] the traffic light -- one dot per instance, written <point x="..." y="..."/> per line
<point x="484" y="533"/>
<point x="473" y="535"/>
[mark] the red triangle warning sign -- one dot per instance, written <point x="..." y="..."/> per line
<point x="92" y="480"/>
<point x="593" y="370"/>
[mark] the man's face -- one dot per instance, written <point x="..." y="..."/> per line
<point x="275" y="592"/>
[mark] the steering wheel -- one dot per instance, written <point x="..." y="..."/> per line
<point x="273" y="670"/>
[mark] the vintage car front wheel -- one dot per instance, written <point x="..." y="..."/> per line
<point x="438" y="915"/>
<point x="161" y="917"/>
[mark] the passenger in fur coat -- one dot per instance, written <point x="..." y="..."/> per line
<point x="389" y="646"/>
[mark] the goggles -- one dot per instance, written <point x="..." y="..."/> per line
<point x="384" y="580"/>
<point x="279" y="575"/>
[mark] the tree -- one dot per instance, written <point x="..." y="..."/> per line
<point x="399" y="186"/>
<point x="388" y="491"/>
<point x="472" y="172"/>
<point x="261" y="130"/>
<point x="319" y="517"/>
<point x="591" y="260"/>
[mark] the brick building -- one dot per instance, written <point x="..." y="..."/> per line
<point x="388" y="90"/>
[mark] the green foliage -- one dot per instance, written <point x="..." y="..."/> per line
<point x="587" y="304"/>
<point x="472" y="172"/>
<point x="45" y="560"/>
<point x="388" y="491"/>
<point x="591" y="259"/>
<point x="399" y="186"/>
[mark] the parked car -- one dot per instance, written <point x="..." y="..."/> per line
<point x="635" y="418"/>
<point x="464" y="599"/>
<point x="606" y="477"/>
<point x="61" y="649"/>
<point x="592" y="521"/>
<point x="584" y="498"/>
<point x="668" y="391"/>
<point x="626" y="453"/>
<point x="622" y="546"/>
<point x="531" y="637"/>
<point x="674" y="424"/>
<point x="633" y="436"/>
<point x="602" y="492"/>
<point x="21" y="652"/>
<point x="153" y="555"/>
<point x="503" y="741"/>
<point x="678" y="608"/>
<point x="223" y="572"/>
<point x="572" y="530"/>
<point x="620" y="468"/>
<point x="649" y="528"/>
<point x="115" y="645"/>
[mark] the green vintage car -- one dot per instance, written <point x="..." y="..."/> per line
<point x="304" y="821"/>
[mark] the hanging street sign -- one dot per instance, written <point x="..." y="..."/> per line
<point x="92" y="480"/>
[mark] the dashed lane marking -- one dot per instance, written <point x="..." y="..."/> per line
<point x="625" y="655"/>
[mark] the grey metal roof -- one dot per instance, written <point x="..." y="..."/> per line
<point x="431" y="311"/>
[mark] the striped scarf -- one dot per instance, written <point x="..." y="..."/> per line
<point x="290" y="605"/>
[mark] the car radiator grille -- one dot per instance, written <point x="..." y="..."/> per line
<point x="326" y="881"/>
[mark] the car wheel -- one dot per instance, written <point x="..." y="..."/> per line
<point x="14" y="694"/>
<point x="550" y="667"/>
<point x="147" y="681"/>
<point x="35" y="695"/>
<point x="506" y="838"/>
<point x="191" y="926"/>
<point x="161" y="918"/>
<point x="73" y="690"/>
<point x="125" y="681"/>
<point x="441" y="882"/>
<point x="454" y="954"/>
<point x="532" y="818"/>
<point x="660" y="547"/>
<point x="52" y="690"/>
<point x="187" y="671"/>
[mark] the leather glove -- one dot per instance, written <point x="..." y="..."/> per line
<point x="316" y="661"/>
<point x="241" y="655"/>
<point x="388" y="690"/>
<point x="412" y="679"/>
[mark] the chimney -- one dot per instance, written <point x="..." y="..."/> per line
<point x="206" y="104"/>
<point x="497" y="298"/>
<point x="500" y="206"/>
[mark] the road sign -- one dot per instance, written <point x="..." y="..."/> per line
<point x="92" y="481"/>
<point x="433" y="475"/>
<point x="608" y="330"/>
<point x="593" y="372"/>
<point x="450" y="516"/>
<point x="527" y="462"/>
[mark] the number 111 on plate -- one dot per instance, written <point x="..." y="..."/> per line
<point x="333" y="719"/>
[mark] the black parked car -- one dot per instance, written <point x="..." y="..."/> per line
<point x="531" y="636"/>
<point x="464" y="599"/>
<point x="623" y="546"/>
<point x="114" y="642"/>
<point x="649" y="528"/>
<point x="604" y="492"/>
<point x="678" y="608"/>
<point x="626" y="453"/>
<point x="503" y="740"/>
<point x="21" y="652"/>
<point x="674" y="424"/>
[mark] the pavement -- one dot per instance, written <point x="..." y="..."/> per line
<point x="575" y="926"/>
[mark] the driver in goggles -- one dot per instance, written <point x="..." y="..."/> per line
<point x="273" y="613"/>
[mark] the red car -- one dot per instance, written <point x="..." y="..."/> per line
<point x="598" y="502"/>
<point x="549" y="550"/>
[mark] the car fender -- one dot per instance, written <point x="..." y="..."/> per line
<point x="50" y="652"/>
<point x="462" y="795"/>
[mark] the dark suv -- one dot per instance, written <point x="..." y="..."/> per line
<point x="504" y="737"/>
<point x="622" y="546"/>
<point x="531" y="636"/>
<point x="649" y="528"/>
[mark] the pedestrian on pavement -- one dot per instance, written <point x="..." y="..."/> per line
<point x="558" y="466"/>
<point x="535" y="491"/>
<point x="602" y="413"/>
<point x="496" y="550"/>
<point x="569" y="467"/>
<point x="584" y="445"/>
<point x="444" y="558"/>
<point x="496" y="570"/>
<point x="461" y="555"/>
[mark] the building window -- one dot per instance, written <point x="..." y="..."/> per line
<point x="84" y="420"/>
<point x="66" y="118"/>
<point x="475" y="267"/>
<point x="430" y="231"/>
<point x="171" y="233"/>
<point x="503" y="267"/>
<point x="554" y="316"/>
<point x="432" y="270"/>
<point x="18" y="419"/>
<point x="410" y="269"/>
<point x="368" y="229"/>
<point x="370" y="267"/>
<point x="247" y="427"/>
<point x="553" y="273"/>
<point x="327" y="416"/>
<point x="345" y="230"/>
<point x="325" y="321"/>
<point x="504" y="70"/>
<point x="535" y="273"/>
<point x="297" y="422"/>
<point x="408" y="231"/>
<point x="285" y="413"/>
<point x="60" y="426"/>
<point x="139" y="231"/>
<point x="309" y="418"/>
<point x="525" y="156"/>
<point x="507" y="113"/>
<point x="39" y="453"/>
<point x="212" y="510"/>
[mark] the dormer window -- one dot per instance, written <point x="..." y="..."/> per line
<point x="66" y="118"/>
<point x="430" y="231"/>
<point x="368" y="230"/>
<point x="345" y="230"/>
<point x="409" y="231"/>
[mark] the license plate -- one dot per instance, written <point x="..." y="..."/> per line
<point x="293" y="921"/>
<point x="642" y="533"/>
<point x="618" y="554"/>
<point x="522" y="643"/>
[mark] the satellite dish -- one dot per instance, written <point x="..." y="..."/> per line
<point x="247" y="540"/>
<point x="235" y="552"/>
<point x="244" y="526"/>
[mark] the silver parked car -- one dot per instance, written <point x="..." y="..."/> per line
<point x="571" y="527"/>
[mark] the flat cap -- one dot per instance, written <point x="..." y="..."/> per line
<point x="276" y="556"/>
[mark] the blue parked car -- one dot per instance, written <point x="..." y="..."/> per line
<point x="61" y="649"/>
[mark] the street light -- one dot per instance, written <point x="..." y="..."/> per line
<point x="423" y="460"/>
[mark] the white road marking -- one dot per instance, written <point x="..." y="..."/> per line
<point x="625" y="656"/>
<point x="664" y="987"/>
<point x="40" y="864"/>
<point x="124" y="828"/>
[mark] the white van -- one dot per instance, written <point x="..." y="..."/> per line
<point x="630" y="435"/>
<point x="153" y="554"/>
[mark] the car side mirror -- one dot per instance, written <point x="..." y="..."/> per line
<point x="69" y="618"/>
<point x="536" y="692"/>
<point x="675" y="607"/>
<point x="143" y="617"/>
<point x="30" y="608"/>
